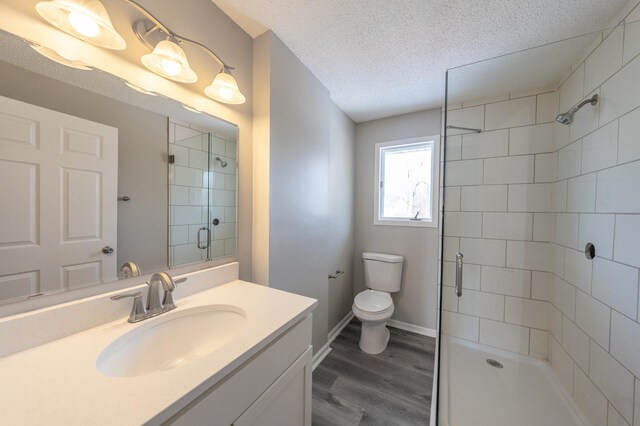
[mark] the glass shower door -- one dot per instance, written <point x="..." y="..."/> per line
<point x="190" y="195"/>
<point x="511" y="261"/>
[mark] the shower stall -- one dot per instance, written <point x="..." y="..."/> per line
<point x="541" y="236"/>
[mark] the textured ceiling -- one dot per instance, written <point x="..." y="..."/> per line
<point x="380" y="58"/>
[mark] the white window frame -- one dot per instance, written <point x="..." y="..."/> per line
<point x="435" y="183"/>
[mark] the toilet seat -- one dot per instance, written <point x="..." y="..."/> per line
<point x="373" y="302"/>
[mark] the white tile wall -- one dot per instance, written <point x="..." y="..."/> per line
<point x="604" y="61"/>
<point x="483" y="252"/>
<point x="538" y="343"/>
<point x="597" y="229"/>
<point x="518" y="169"/>
<point x="631" y="41"/>
<point x="600" y="148"/>
<point x="581" y="193"/>
<point x="562" y="365"/>
<point x="625" y="342"/>
<point x="489" y="198"/>
<point x="569" y="160"/>
<point x="576" y="343"/>
<point x="501" y="335"/>
<point x="481" y="304"/>
<point x="530" y="198"/>
<point x="613" y="380"/>
<point x="593" y="317"/>
<point x="510" y="282"/>
<point x="531" y="139"/>
<point x="547" y="107"/>
<point x="577" y="269"/>
<point x="506" y="226"/>
<point x="513" y="113"/>
<point x="567" y="229"/>
<point x="464" y="172"/>
<point x="621" y="93"/>
<point x="527" y="312"/>
<point x="590" y="400"/>
<point x="614" y="418"/>
<point x="485" y="144"/>
<point x="618" y="190"/>
<point x="628" y="146"/>
<point x="616" y="285"/>
<point x="541" y="285"/>
<point x="597" y="184"/>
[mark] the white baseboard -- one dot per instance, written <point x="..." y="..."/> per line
<point x="412" y="328"/>
<point x="320" y="356"/>
<point x="341" y="325"/>
<point x="326" y="349"/>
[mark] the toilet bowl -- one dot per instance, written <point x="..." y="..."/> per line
<point x="374" y="309"/>
<point x="374" y="306"/>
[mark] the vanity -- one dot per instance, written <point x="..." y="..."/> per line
<point x="231" y="353"/>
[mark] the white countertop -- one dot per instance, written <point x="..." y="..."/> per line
<point x="58" y="383"/>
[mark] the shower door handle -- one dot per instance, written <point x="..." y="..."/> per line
<point x="202" y="246"/>
<point x="459" y="257"/>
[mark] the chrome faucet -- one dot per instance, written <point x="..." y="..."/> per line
<point x="155" y="306"/>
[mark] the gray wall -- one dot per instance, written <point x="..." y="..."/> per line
<point x="295" y="147"/>
<point x="341" y="214"/>
<point x="416" y="302"/>
<point x="142" y="158"/>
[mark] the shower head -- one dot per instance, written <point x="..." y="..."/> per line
<point x="568" y="117"/>
<point x="223" y="164"/>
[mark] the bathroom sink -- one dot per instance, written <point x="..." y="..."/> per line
<point x="171" y="340"/>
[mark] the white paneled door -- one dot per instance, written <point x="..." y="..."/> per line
<point x="58" y="186"/>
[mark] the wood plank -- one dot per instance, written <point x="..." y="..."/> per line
<point x="351" y="387"/>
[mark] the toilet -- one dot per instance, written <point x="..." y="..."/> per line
<point x="374" y="306"/>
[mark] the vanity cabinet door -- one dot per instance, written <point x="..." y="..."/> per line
<point x="287" y="402"/>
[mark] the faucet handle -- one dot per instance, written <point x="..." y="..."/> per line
<point x="138" y="311"/>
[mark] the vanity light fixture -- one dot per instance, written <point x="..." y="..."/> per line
<point x="169" y="60"/>
<point x="225" y="88"/>
<point x="59" y="57"/>
<point x="87" y="20"/>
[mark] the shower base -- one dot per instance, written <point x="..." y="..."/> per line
<point x="481" y="385"/>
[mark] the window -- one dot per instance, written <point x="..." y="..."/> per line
<point x="406" y="185"/>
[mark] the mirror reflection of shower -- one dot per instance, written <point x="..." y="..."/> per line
<point x="568" y="117"/>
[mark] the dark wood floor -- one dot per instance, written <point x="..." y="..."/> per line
<point x="351" y="387"/>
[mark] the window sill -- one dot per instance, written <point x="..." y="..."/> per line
<point x="407" y="223"/>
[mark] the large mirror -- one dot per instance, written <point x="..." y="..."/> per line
<point x="95" y="175"/>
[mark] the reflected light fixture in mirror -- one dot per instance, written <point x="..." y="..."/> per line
<point x="169" y="61"/>
<point x="188" y="108"/>
<point x="225" y="88"/>
<point x="87" y="20"/>
<point x="139" y="89"/>
<point x="59" y="57"/>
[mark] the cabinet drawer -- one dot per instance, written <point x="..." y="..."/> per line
<point x="228" y="399"/>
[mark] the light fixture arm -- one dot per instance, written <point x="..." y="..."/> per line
<point x="160" y="26"/>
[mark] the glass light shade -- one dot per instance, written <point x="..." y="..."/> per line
<point x="169" y="60"/>
<point x="87" y="20"/>
<point x="225" y="89"/>
<point x="59" y="57"/>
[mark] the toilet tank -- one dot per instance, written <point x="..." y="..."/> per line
<point x="382" y="272"/>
